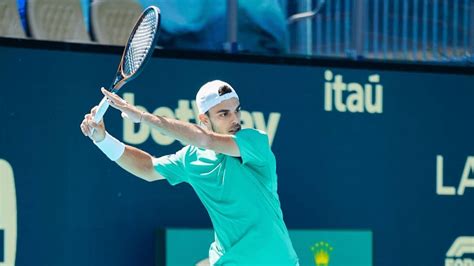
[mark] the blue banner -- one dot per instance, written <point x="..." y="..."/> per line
<point x="314" y="247"/>
<point x="386" y="151"/>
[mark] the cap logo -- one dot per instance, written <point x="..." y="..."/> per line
<point x="224" y="90"/>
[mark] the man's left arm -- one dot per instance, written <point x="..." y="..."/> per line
<point x="193" y="134"/>
<point x="185" y="132"/>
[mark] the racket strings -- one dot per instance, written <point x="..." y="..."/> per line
<point x="140" y="43"/>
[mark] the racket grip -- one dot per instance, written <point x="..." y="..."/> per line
<point x="102" y="108"/>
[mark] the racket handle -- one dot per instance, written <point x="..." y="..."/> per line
<point x="101" y="109"/>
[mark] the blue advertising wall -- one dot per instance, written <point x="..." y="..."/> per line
<point x="358" y="148"/>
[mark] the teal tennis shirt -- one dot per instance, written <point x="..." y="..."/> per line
<point x="240" y="195"/>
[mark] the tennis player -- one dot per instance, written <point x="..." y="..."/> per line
<point x="232" y="171"/>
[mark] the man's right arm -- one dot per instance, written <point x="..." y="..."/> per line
<point x="131" y="159"/>
<point x="138" y="163"/>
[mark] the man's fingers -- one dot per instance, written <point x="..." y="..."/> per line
<point x="114" y="99"/>
<point x="83" y="129"/>
<point x="88" y="131"/>
<point x="108" y="94"/>
<point x="92" y="124"/>
<point x="111" y="102"/>
<point x="104" y="91"/>
<point x="88" y="125"/>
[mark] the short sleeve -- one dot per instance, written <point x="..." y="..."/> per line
<point x="253" y="145"/>
<point x="171" y="167"/>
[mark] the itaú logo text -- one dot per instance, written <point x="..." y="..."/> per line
<point x="352" y="97"/>
<point x="7" y="215"/>
<point x="456" y="253"/>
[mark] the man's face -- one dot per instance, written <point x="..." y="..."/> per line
<point x="224" y="118"/>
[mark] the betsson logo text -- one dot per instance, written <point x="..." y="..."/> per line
<point x="187" y="111"/>
<point x="352" y="97"/>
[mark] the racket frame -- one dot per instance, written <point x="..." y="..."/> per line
<point x="120" y="77"/>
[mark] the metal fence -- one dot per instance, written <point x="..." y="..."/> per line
<point x="414" y="30"/>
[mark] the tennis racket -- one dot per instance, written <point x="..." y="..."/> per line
<point x="137" y="52"/>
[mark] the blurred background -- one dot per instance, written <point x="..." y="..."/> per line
<point x="437" y="31"/>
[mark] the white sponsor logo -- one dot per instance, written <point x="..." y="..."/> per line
<point x="8" y="213"/>
<point x="352" y="97"/>
<point x="187" y="111"/>
<point x="465" y="182"/>
<point x="461" y="246"/>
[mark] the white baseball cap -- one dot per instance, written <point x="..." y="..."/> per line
<point x="211" y="94"/>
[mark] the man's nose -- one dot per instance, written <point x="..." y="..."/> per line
<point x="235" y="119"/>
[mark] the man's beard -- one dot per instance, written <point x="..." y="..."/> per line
<point x="235" y="128"/>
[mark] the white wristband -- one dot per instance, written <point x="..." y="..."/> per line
<point x="111" y="146"/>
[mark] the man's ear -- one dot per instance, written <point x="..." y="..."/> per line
<point x="204" y="119"/>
